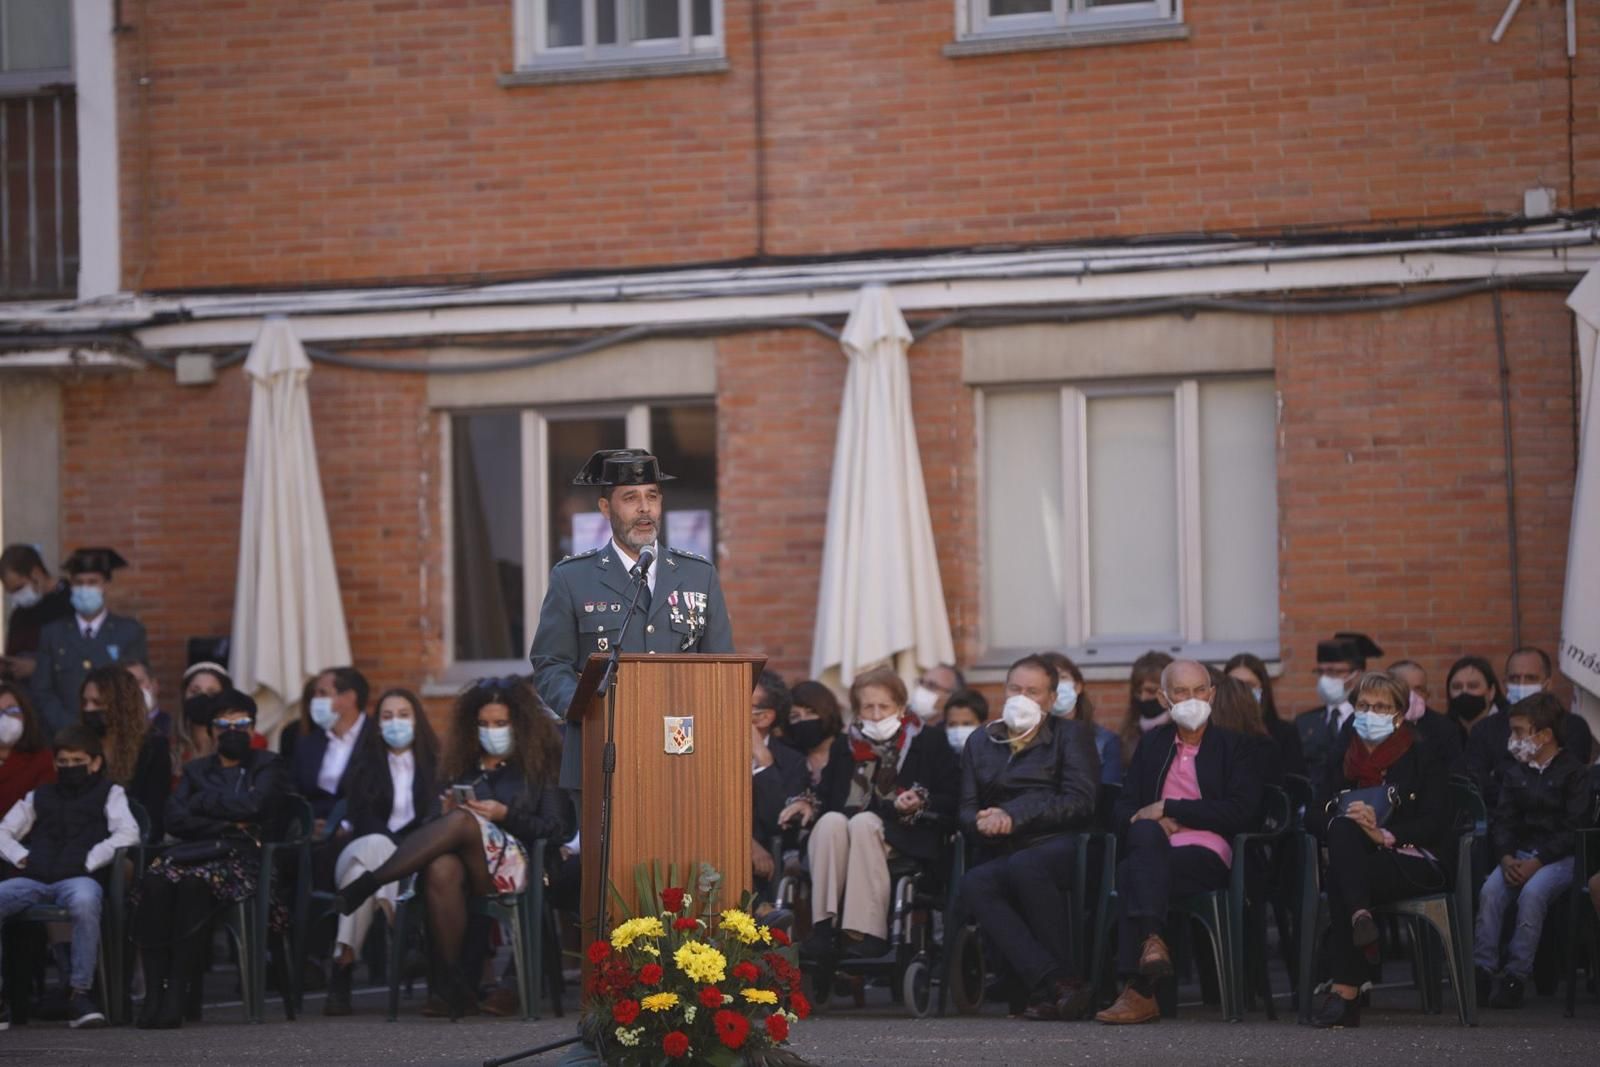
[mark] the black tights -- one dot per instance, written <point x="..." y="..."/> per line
<point x="448" y="853"/>
<point x="171" y="911"/>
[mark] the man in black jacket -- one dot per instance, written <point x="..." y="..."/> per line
<point x="1528" y="671"/>
<point x="1027" y="782"/>
<point x="1189" y="790"/>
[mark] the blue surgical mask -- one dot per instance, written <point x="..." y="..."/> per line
<point x="322" y="712"/>
<point x="398" y="733"/>
<point x="88" y="600"/>
<point x="1517" y="692"/>
<point x="496" y="740"/>
<point x="1066" y="698"/>
<point x="1373" y="726"/>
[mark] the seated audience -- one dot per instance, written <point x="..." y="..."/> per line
<point x="35" y="602"/>
<point x="1474" y="691"/>
<point x="1488" y="756"/>
<point x="58" y="837"/>
<point x="26" y="762"/>
<point x="195" y="736"/>
<point x="1190" y="789"/>
<point x="1072" y="702"/>
<point x="777" y="772"/>
<point x="225" y="806"/>
<point x="150" y="690"/>
<point x="1234" y="708"/>
<point x="1324" y="730"/>
<point x="1544" y="801"/>
<point x="1392" y="838"/>
<point x="137" y="758"/>
<point x="900" y="796"/>
<point x="1252" y="672"/>
<point x="1145" y="710"/>
<point x="392" y="788"/>
<point x="815" y="727"/>
<point x="300" y="724"/>
<point x="928" y="699"/>
<point x="964" y="714"/>
<point x="322" y="759"/>
<point x="503" y="760"/>
<point x="1447" y="736"/>
<point x="1027" y="782"/>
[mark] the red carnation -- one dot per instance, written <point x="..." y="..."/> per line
<point x="732" y="1028"/>
<point x="799" y="1004"/>
<point x="675" y="1045"/>
<point x="747" y="972"/>
<point x="779" y="936"/>
<point x="650" y="973"/>
<point x="710" y="996"/>
<point x="778" y="1027"/>
<point x="599" y="950"/>
<point x="685" y="923"/>
<point x="672" y="899"/>
<point x="625" y="1012"/>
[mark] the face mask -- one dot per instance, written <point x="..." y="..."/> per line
<point x="1468" y="706"/>
<point x="10" y="730"/>
<point x="924" y="703"/>
<point x="96" y="721"/>
<point x="322" y="712"/>
<point x="1374" y="726"/>
<point x="87" y="600"/>
<point x="234" y="744"/>
<point x="958" y="736"/>
<point x="1021" y="714"/>
<point x="1191" y="714"/>
<point x="1330" y="690"/>
<point x="1416" y="708"/>
<point x="1255" y="691"/>
<point x="397" y="733"/>
<point x="496" y="740"/>
<point x="880" y="730"/>
<point x="1066" y="699"/>
<point x="73" y="779"/>
<point x="26" y="597"/>
<point x="806" y="735"/>
<point x="197" y="709"/>
<point x="1516" y="692"/>
<point x="1149" y="709"/>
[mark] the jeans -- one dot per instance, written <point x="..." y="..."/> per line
<point x="1020" y="901"/>
<point x="1533" y="900"/>
<point x="80" y="896"/>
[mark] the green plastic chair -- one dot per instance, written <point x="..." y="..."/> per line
<point x="248" y="920"/>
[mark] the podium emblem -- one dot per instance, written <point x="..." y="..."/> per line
<point x="679" y="734"/>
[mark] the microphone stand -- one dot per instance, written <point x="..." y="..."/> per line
<point x="640" y="576"/>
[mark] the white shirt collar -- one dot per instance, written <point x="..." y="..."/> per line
<point x="627" y="562"/>
<point x="1345" y="710"/>
<point x="93" y="625"/>
<point x="337" y="755"/>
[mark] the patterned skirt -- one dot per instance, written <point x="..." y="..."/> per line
<point x="505" y="857"/>
<point x="230" y="880"/>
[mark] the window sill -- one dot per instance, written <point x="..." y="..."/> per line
<point x="457" y="676"/>
<point x="1098" y="37"/>
<point x="676" y="67"/>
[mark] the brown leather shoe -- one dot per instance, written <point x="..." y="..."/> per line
<point x="1131" y="1007"/>
<point x="1154" y="959"/>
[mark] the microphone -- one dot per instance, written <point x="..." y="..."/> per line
<point x="641" y="570"/>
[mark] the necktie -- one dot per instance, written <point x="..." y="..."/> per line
<point x="644" y="599"/>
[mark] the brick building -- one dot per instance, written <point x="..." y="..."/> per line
<point x="1223" y="307"/>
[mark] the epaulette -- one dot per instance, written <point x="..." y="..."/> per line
<point x="686" y="554"/>
<point x="580" y="555"/>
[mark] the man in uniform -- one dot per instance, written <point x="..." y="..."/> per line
<point x="680" y="610"/>
<point x="1325" y="730"/>
<point x="93" y="637"/>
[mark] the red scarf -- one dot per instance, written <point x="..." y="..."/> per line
<point x="1368" y="768"/>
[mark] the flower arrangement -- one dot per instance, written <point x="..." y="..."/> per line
<point x="688" y="985"/>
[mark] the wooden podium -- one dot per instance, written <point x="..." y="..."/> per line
<point x="673" y="808"/>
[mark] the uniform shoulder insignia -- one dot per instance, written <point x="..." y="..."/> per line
<point x="686" y="554"/>
<point x="580" y="555"/>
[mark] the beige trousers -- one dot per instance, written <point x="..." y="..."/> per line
<point x="360" y="856"/>
<point x="850" y="863"/>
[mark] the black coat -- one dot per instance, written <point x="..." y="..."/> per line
<point x="1445" y="736"/>
<point x="370" y="794"/>
<point x="1287" y="757"/>
<point x="928" y="763"/>
<point x="1541" y="812"/>
<point x="151" y="783"/>
<point x="1048" y="788"/>
<point x="211" y="799"/>
<point x="1488" y="759"/>
<point x="533" y="810"/>
<point x="25" y="625"/>
<point x="308" y="754"/>
<point x="773" y="787"/>
<point x="1227" y="767"/>
<point x="1315" y="745"/>
<point x="833" y="785"/>
<point x="1423" y="815"/>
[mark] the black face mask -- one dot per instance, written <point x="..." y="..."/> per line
<point x="197" y="709"/>
<point x="1468" y="706"/>
<point x="807" y="735"/>
<point x="96" y="721"/>
<point x="233" y="744"/>
<point x="1148" y="709"/>
<point x="74" y="779"/>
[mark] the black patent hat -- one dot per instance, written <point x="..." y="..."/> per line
<point x="94" y="561"/>
<point x="611" y="467"/>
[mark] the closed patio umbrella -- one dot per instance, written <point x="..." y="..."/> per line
<point x="1580" y="609"/>
<point x="288" y="621"/>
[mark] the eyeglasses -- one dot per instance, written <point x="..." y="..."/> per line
<point x="232" y="724"/>
<point x="1379" y="709"/>
<point x="15" y="709"/>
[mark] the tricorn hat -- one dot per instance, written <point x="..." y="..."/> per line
<point x="621" y="466"/>
<point x="1348" y="647"/>
<point x="94" y="561"/>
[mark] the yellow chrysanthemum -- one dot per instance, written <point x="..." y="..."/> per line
<point x="759" y="996"/>
<point x="627" y="933"/>
<point x="703" y="964"/>
<point x="746" y="929"/>
<point x="659" y="1002"/>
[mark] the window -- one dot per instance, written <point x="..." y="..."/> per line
<point x="38" y="151"/>
<point x="512" y="500"/>
<point x="573" y="33"/>
<point x="35" y="43"/>
<point x="1011" y="17"/>
<point x="1125" y="516"/>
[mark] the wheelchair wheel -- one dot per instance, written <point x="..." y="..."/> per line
<point x="916" y="988"/>
<point x="966" y="972"/>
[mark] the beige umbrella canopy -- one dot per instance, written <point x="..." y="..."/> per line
<point x="1580" y="609"/>
<point x="288" y="620"/>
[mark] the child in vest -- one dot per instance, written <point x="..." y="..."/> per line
<point x="58" y="837"/>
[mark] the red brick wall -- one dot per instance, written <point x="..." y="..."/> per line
<point x="294" y="143"/>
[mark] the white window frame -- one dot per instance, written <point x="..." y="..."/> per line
<point x="974" y="21"/>
<point x="534" y="51"/>
<point x="1085" y="648"/>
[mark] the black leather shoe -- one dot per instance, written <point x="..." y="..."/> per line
<point x="866" y="947"/>
<point x="1337" y="1012"/>
<point x="1508" y="990"/>
<point x="819" y="943"/>
<point x="338" y="999"/>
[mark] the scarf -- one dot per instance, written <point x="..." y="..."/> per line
<point x="877" y="764"/>
<point x="1368" y="768"/>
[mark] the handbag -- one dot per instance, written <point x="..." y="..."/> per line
<point x="1382" y="799"/>
<point x="196" y="853"/>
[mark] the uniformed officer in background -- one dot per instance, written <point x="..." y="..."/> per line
<point x="680" y="610"/>
<point x="93" y="637"/>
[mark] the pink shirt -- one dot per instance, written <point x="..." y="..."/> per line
<point x="1183" y="784"/>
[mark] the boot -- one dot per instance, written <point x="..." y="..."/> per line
<point x="157" y="966"/>
<point x="339" y="981"/>
<point x="355" y="894"/>
<point x="186" y="986"/>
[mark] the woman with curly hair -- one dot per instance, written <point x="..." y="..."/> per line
<point x="505" y="753"/>
<point x="137" y="758"/>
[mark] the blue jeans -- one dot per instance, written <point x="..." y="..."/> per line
<point x="1533" y="900"/>
<point x="80" y="896"/>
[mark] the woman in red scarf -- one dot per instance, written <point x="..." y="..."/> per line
<point x="1384" y="849"/>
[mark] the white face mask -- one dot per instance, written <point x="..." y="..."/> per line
<point x="1522" y="749"/>
<point x="880" y="730"/>
<point x="1066" y="698"/>
<point x="10" y="729"/>
<point x="1517" y="692"/>
<point x="1021" y="714"/>
<point x="924" y="703"/>
<point x="322" y="712"/>
<point x="26" y="597"/>
<point x="1191" y="714"/>
<point x="958" y="736"/>
<point x="1331" y="690"/>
